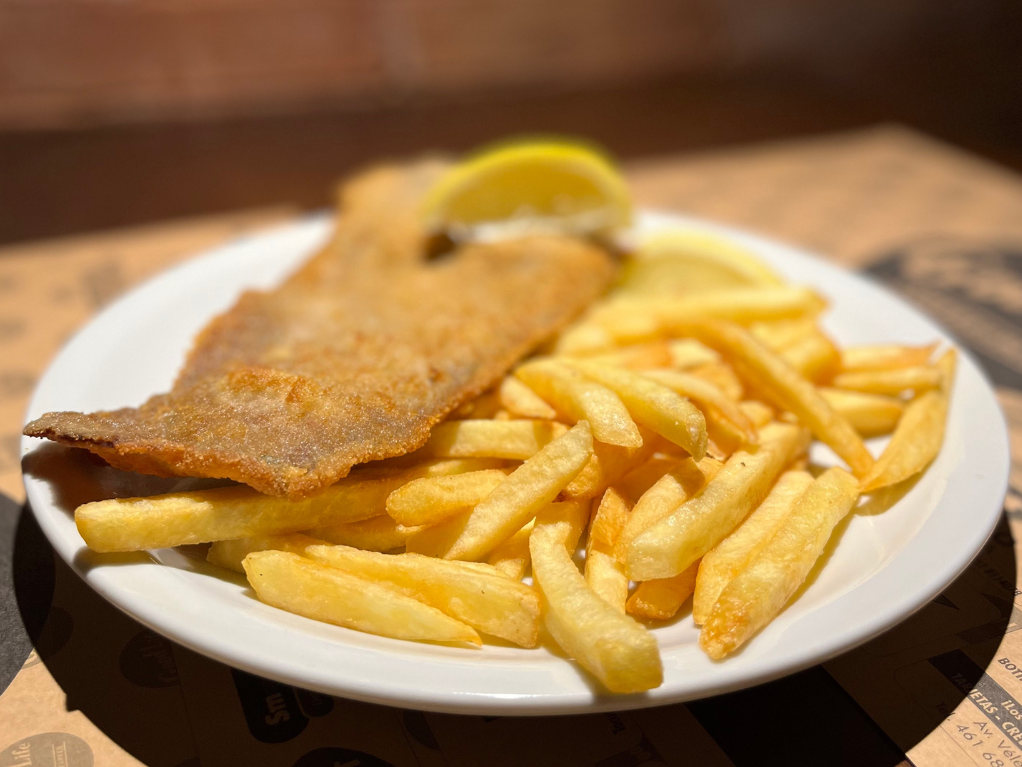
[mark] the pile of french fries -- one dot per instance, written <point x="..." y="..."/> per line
<point x="665" y="435"/>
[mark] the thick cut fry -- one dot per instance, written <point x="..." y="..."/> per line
<point x="687" y="353"/>
<point x="512" y="557"/>
<point x="583" y="338"/>
<point x="514" y="440"/>
<point x="231" y="554"/>
<point x="488" y="602"/>
<point x="486" y="405"/>
<point x="893" y="382"/>
<point x="653" y="405"/>
<point x="574" y="515"/>
<point x="646" y="474"/>
<point x="723" y="438"/>
<point x="616" y="649"/>
<point x="785" y="333"/>
<point x="603" y="573"/>
<point x="582" y="400"/>
<point x="656" y="354"/>
<point x="762" y="589"/>
<point x="697" y="525"/>
<point x="522" y="401"/>
<point x="323" y="593"/>
<point x="664" y="497"/>
<point x="859" y="358"/>
<point x="718" y="453"/>
<point x="793" y="392"/>
<point x="135" y="524"/>
<point x="919" y="435"/>
<point x="380" y="533"/>
<point x="630" y="319"/>
<point x="705" y="395"/>
<point x="757" y="412"/>
<point x="816" y="358"/>
<point x="719" y="567"/>
<point x="721" y="375"/>
<point x="660" y="599"/>
<point x="609" y="518"/>
<point x="411" y="466"/>
<point x="607" y="464"/>
<point x="529" y="488"/>
<point x="430" y="500"/>
<point x="870" y="414"/>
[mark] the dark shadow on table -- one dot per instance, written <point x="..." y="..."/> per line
<point x="946" y="647"/>
<point x="122" y="677"/>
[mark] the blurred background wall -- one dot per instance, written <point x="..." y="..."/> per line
<point x="94" y="62"/>
<point x="117" y="87"/>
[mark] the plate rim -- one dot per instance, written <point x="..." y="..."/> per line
<point x="585" y="700"/>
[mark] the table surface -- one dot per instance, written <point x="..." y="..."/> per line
<point x="885" y="200"/>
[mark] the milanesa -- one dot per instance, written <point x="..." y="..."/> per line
<point x="355" y="358"/>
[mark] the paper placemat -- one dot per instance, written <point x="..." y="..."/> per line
<point x="941" y="226"/>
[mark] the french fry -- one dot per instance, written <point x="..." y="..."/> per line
<point x="723" y="438"/>
<point x="488" y="602"/>
<point x="920" y="433"/>
<point x="323" y="593"/>
<point x="718" y="453"/>
<point x="884" y="357"/>
<point x="660" y="599"/>
<point x="583" y="338"/>
<point x="380" y="533"/>
<point x="430" y="500"/>
<point x="573" y="514"/>
<point x="792" y="391"/>
<point x="815" y="357"/>
<point x="719" y="567"/>
<point x="519" y="400"/>
<point x="687" y="353"/>
<point x="646" y="318"/>
<point x="784" y="333"/>
<point x="721" y="375"/>
<point x="757" y="412"/>
<point x="870" y="414"/>
<point x="705" y="395"/>
<point x="679" y="483"/>
<point x="582" y="400"/>
<point x="526" y="490"/>
<point x="653" y="405"/>
<point x="607" y="464"/>
<point x="672" y="544"/>
<point x="175" y="519"/>
<point x="412" y="466"/>
<point x="512" y="556"/>
<point x="656" y="354"/>
<point x="511" y="440"/>
<point x="616" y="649"/>
<point x="231" y="554"/>
<point x="762" y="589"/>
<point x="644" y="475"/>
<point x="892" y="382"/>
<point x="486" y="405"/>
<point x="603" y="573"/>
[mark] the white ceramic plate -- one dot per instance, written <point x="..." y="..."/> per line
<point x="884" y="566"/>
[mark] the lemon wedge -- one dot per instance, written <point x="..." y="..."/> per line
<point x="531" y="185"/>
<point x="685" y="262"/>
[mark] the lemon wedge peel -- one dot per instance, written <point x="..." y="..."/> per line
<point x="534" y="185"/>
<point x="682" y="261"/>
